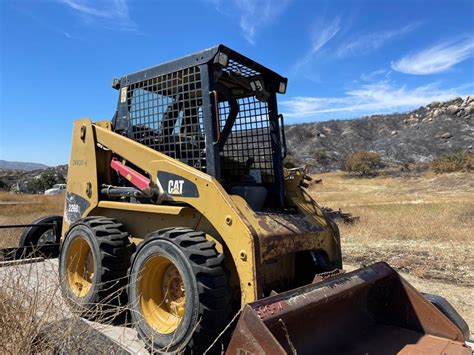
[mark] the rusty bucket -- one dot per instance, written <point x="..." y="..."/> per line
<point x="368" y="311"/>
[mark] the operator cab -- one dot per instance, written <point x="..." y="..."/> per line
<point x="215" y="110"/>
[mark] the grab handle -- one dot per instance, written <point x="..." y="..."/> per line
<point x="282" y="135"/>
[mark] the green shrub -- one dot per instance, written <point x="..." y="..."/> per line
<point x="4" y="185"/>
<point x="453" y="161"/>
<point x="320" y="155"/>
<point x="45" y="181"/>
<point x="364" y="163"/>
<point x="301" y="131"/>
<point x="291" y="162"/>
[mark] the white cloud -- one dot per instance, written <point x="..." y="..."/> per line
<point x="436" y="59"/>
<point x="371" y="41"/>
<point x="256" y="14"/>
<point x="45" y="23"/>
<point x="380" y="97"/>
<point x="322" y="32"/>
<point x="322" y="35"/>
<point x="112" y="14"/>
<point x="372" y="76"/>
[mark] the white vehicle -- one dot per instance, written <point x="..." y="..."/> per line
<point x="56" y="189"/>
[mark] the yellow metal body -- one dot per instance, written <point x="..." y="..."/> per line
<point x="259" y="247"/>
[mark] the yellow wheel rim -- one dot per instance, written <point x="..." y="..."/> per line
<point x="80" y="267"/>
<point x="161" y="293"/>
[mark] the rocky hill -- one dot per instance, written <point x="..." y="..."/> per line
<point x="416" y="136"/>
<point x="23" y="166"/>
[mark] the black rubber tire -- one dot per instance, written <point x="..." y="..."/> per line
<point x="31" y="235"/>
<point x="112" y="251"/>
<point x="208" y="294"/>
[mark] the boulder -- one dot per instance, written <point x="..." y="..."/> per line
<point x="453" y="109"/>
<point x="446" y="135"/>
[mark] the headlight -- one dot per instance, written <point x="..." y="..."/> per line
<point x="282" y="87"/>
<point x="223" y="59"/>
<point x="116" y="83"/>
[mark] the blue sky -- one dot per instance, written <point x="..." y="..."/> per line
<point x="343" y="58"/>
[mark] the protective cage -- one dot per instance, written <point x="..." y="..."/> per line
<point x="249" y="139"/>
<point x="214" y="110"/>
<point x="165" y="113"/>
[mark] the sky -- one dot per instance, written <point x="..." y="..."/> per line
<point x="343" y="59"/>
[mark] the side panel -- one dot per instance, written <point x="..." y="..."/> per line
<point x="81" y="191"/>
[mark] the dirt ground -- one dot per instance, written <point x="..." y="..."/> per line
<point x="421" y="225"/>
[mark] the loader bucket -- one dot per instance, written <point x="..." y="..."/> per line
<point x="368" y="311"/>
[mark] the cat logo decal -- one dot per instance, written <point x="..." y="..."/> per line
<point x="175" y="187"/>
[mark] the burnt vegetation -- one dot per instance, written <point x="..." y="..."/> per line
<point x="419" y="136"/>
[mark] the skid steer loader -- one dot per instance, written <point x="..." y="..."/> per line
<point x="180" y="207"/>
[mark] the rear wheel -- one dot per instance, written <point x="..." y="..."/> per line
<point x="93" y="264"/>
<point x="178" y="292"/>
<point x="41" y="235"/>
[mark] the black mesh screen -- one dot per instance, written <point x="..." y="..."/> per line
<point x="249" y="143"/>
<point x="240" y="69"/>
<point x="166" y="115"/>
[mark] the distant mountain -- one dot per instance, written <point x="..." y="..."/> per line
<point x="412" y="137"/>
<point x="18" y="165"/>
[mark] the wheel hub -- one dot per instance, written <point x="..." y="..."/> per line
<point x="173" y="288"/>
<point x="162" y="294"/>
<point x="80" y="267"/>
<point x="47" y="237"/>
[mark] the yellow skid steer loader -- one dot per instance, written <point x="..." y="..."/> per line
<point x="181" y="209"/>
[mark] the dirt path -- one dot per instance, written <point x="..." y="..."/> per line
<point x="13" y="203"/>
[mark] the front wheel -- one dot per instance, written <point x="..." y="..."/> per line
<point x="178" y="292"/>
<point x="93" y="263"/>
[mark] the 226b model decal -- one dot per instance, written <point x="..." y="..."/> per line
<point x="176" y="185"/>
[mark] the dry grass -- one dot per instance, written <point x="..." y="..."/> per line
<point x="421" y="225"/>
<point x="24" y="209"/>
<point x="34" y="317"/>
